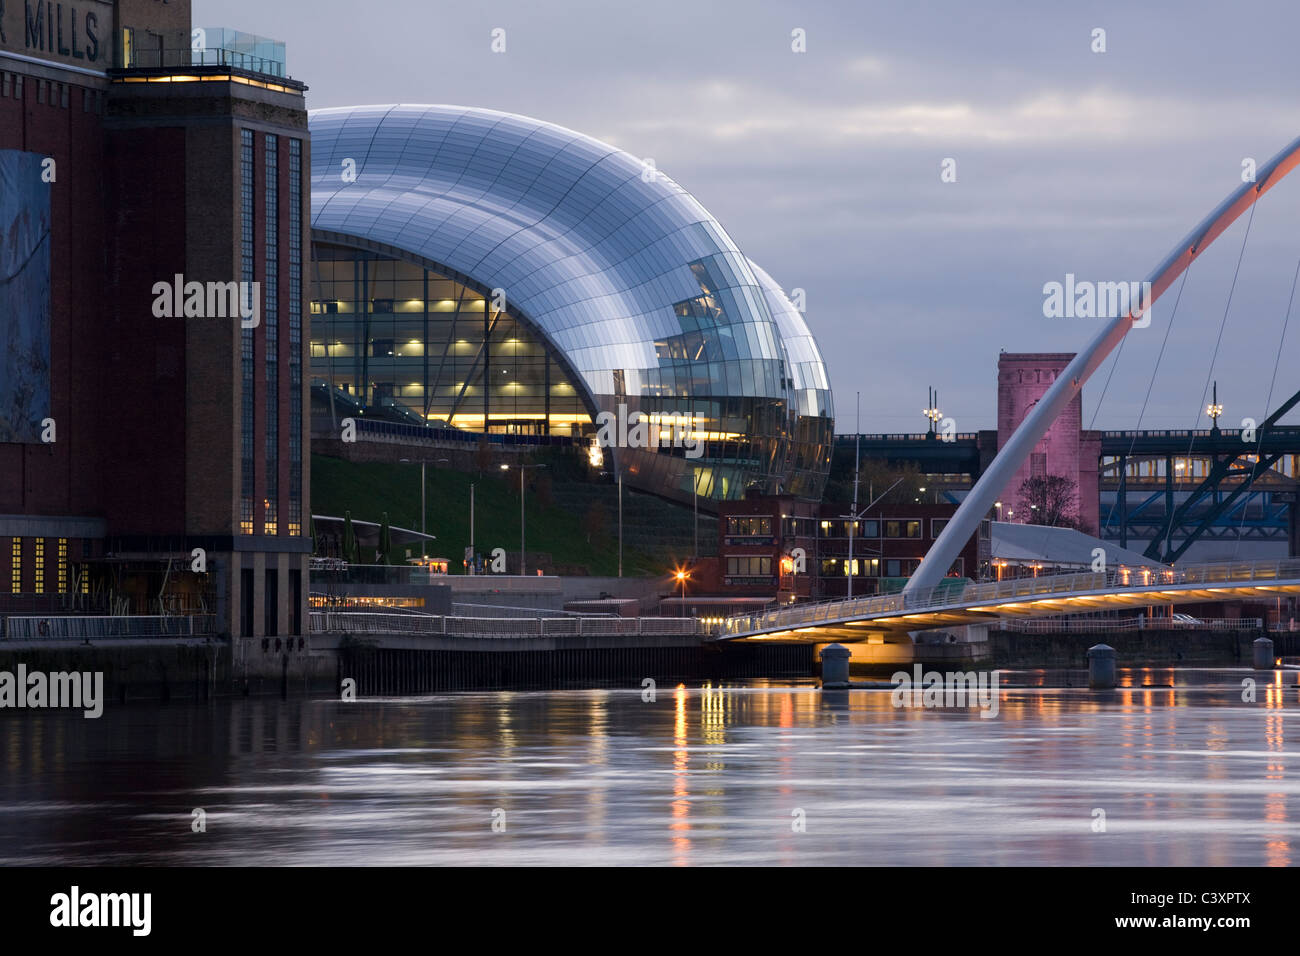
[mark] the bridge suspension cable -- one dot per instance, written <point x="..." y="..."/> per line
<point x="1268" y="402"/>
<point x="965" y="521"/>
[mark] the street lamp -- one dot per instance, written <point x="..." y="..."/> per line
<point x="1214" y="409"/>
<point x="932" y="410"/>
<point x="423" y="462"/>
<point x="618" y="478"/>
<point x="682" y="577"/>
<point x="522" y="468"/>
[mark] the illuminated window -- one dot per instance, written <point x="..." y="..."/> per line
<point x="16" y="579"/>
<point x="39" y="564"/>
<point x="749" y="527"/>
<point x="63" y="565"/>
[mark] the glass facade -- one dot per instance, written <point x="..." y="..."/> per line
<point x="397" y="336"/>
<point x="246" y="249"/>
<point x="271" y="321"/>
<point x="295" y="337"/>
<point x="489" y="271"/>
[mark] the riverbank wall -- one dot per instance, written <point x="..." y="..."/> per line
<point x="384" y="665"/>
<point x="1150" y="646"/>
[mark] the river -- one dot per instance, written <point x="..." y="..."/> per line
<point x="1174" y="769"/>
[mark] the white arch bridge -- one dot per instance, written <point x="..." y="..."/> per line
<point x="892" y="616"/>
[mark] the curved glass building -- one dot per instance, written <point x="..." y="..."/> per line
<point x="489" y="272"/>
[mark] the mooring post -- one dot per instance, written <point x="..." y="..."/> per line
<point x="1263" y="653"/>
<point x="835" y="667"/>
<point x="1101" y="667"/>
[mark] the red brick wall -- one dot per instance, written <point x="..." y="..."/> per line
<point x="61" y="478"/>
<point x="142" y="399"/>
<point x="1023" y="379"/>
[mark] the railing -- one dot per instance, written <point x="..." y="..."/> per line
<point x="847" y="438"/>
<point x="89" y="628"/>
<point x="370" y="429"/>
<point x="1091" y="626"/>
<point x="510" y="611"/>
<point x="146" y="58"/>
<point x="1121" y="578"/>
<point x="360" y="622"/>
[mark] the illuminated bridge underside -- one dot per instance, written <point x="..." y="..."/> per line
<point x="1048" y="596"/>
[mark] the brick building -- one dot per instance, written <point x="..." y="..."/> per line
<point x="1066" y="450"/>
<point x="154" y="459"/>
<point x="779" y="549"/>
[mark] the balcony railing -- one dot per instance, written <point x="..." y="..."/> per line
<point x="144" y="58"/>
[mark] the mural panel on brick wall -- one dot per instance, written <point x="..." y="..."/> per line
<point x="24" y="297"/>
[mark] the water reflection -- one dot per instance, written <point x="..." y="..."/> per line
<point x="1187" y="770"/>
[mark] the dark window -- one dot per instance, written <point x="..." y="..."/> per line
<point x="246" y="601"/>
<point x="295" y="595"/>
<point x="747" y="567"/>
<point x="271" y="602"/>
<point x="901" y="528"/>
<point x="937" y="525"/>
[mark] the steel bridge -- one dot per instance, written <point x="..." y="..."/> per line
<point x="956" y="604"/>
<point x="1189" y="484"/>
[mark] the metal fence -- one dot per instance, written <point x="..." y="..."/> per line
<point x="359" y="622"/>
<point x="89" y="628"/>
<point x="1104" y="626"/>
<point x="1118" y="579"/>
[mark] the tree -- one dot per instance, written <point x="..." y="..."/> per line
<point x="1049" y="500"/>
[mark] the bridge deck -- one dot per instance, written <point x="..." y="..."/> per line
<point x="1121" y="587"/>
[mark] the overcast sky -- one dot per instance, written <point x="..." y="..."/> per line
<point x="824" y="166"/>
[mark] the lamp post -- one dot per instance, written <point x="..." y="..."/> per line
<point x="423" y="462"/>
<point x="522" y="553"/>
<point x="1214" y="410"/>
<point x="682" y="577"/>
<point x="932" y="411"/>
<point x="695" y="500"/>
<point x="618" y="478"/>
<point x="857" y="458"/>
